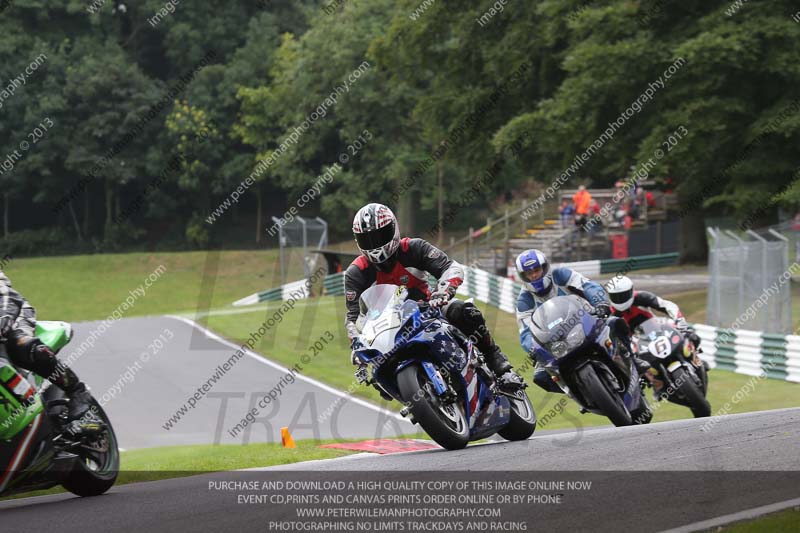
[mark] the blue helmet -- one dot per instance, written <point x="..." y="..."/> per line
<point x="533" y="270"/>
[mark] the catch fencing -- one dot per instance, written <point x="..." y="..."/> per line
<point x="742" y="268"/>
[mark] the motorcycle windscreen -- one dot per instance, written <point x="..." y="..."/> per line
<point x="384" y="311"/>
<point x="556" y="318"/>
<point x="378" y="297"/>
<point x="654" y="326"/>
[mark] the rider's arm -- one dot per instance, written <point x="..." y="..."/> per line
<point x="356" y="281"/>
<point x="11" y="302"/>
<point x="576" y="283"/>
<point x="648" y="299"/>
<point x="526" y="305"/>
<point x="429" y="258"/>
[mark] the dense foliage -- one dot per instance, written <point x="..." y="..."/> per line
<point x="159" y="116"/>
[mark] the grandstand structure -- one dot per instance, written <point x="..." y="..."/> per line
<point x="537" y="225"/>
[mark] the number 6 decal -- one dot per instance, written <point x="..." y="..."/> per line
<point x="661" y="347"/>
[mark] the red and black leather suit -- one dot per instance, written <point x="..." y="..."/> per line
<point x="409" y="267"/>
<point x="644" y="303"/>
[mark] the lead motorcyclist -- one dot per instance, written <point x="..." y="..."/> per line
<point x="539" y="285"/>
<point x="18" y="326"/>
<point x="388" y="259"/>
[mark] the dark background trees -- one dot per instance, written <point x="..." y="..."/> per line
<point x="275" y="62"/>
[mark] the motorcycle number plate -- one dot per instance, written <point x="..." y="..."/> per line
<point x="660" y="347"/>
<point x="674" y="366"/>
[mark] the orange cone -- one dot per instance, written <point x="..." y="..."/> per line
<point x="286" y="438"/>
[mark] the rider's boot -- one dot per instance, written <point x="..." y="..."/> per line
<point x="65" y="379"/>
<point x="498" y="363"/>
<point x="79" y="401"/>
<point x="31" y="353"/>
<point x="642" y="366"/>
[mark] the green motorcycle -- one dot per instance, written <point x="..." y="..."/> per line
<point x="40" y="447"/>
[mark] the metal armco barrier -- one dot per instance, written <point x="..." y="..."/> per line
<point x="745" y="352"/>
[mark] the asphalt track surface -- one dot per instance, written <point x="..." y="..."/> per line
<point x="653" y="478"/>
<point x="155" y="390"/>
<point x="675" y="282"/>
<point x="759" y="441"/>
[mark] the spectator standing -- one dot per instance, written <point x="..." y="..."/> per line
<point x="594" y="215"/>
<point x="581" y="199"/>
<point x="567" y="213"/>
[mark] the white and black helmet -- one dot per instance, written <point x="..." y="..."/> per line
<point x="377" y="233"/>
<point x="620" y="292"/>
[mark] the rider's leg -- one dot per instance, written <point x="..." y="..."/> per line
<point x="622" y="332"/>
<point x="30" y="353"/>
<point x="469" y="319"/>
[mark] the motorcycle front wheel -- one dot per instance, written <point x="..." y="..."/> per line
<point x="610" y="404"/>
<point x="689" y="389"/>
<point x="445" y="423"/>
<point x="523" y="418"/>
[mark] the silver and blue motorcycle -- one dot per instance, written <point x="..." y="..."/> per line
<point x="584" y="359"/>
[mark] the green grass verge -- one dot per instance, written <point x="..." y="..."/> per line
<point x="154" y="464"/>
<point x="91" y="287"/>
<point x="775" y="523"/>
<point x="290" y="340"/>
<point x="694" y="305"/>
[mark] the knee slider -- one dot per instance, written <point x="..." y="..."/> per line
<point x="473" y="315"/>
<point x="620" y="327"/>
<point x="454" y="311"/>
<point x="38" y="356"/>
<point x="41" y="354"/>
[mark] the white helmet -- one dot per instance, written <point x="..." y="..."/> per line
<point x="376" y="232"/>
<point x="620" y="292"/>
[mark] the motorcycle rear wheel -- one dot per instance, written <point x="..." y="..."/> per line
<point x="445" y="424"/>
<point x="610" y="404"/>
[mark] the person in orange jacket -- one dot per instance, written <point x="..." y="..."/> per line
<point x="581" y="199"/>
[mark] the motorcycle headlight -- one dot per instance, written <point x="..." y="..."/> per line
<point x="576" y="337"/>
<point x="559" y="349"/>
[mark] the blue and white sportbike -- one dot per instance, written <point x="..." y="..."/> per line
<point x="421" y="360"/>
<point x="585" y="360"/>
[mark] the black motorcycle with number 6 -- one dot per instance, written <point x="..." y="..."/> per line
<point x="678" y="373"/>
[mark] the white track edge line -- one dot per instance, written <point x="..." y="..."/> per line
<point x="302" y="377"/>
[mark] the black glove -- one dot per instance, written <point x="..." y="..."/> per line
<point x="6" y="323"/>
<point x="602" y="310"/>
<point x="355" y="345"/>
<point x="442" y="297"/>
<point x="694" y="338"/>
